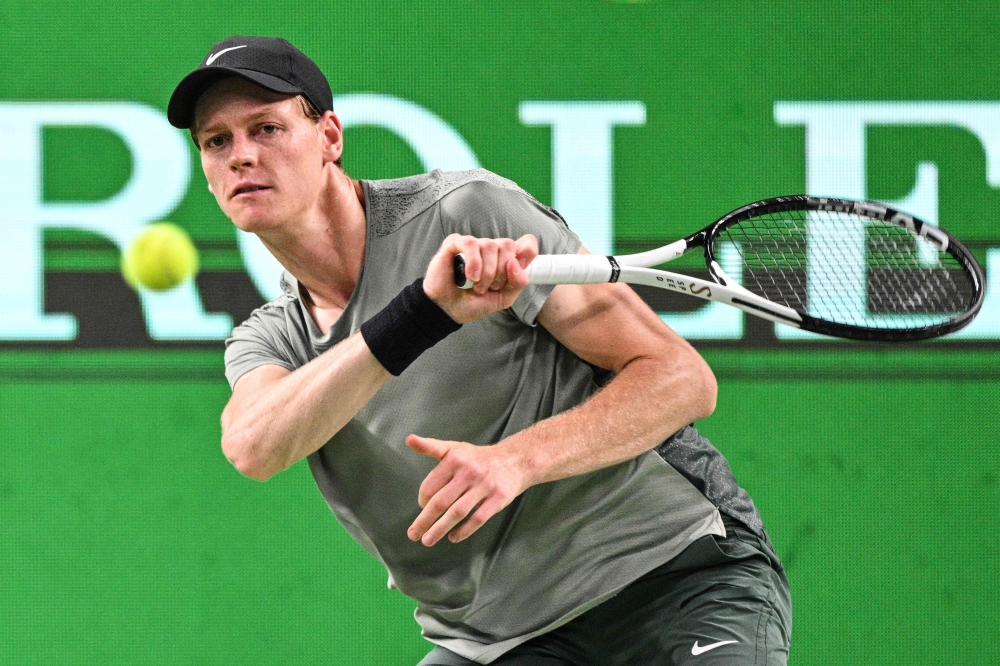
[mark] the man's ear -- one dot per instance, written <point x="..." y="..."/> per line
<point x="333" y="136"/>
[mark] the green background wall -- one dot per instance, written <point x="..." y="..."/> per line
<point x="126" y="537"/>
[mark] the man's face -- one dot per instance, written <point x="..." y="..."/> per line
<point x="263" y="158"/>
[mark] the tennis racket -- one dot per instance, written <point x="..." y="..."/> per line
<point x="848" y="269"/>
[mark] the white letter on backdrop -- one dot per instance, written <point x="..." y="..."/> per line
<point x="160" y="175"/>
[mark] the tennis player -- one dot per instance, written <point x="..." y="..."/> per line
<point x="519" y="457"/>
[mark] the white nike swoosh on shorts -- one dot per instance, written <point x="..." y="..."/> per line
<point x="695" y="650"/>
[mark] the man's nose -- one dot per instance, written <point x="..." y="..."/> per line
<point x="243" y="153"/>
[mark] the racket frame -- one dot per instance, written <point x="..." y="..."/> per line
<point x="943" y="240"/>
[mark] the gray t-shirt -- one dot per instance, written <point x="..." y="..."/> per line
<point x="561" y="547"/>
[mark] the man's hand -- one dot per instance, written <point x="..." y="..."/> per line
<point x="477" y="480"/>
<point x="495" y="266"/>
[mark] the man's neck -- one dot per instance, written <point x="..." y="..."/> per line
<point x="326" y="248"/>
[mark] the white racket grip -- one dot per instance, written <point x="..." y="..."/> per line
<point x="569" y="269"/>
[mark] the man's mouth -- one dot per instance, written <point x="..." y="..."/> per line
<point x="249" y="188"/>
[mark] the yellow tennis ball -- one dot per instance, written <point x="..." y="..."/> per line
<point x="160" y="258"/>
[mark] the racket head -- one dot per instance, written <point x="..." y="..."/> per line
<point x="851" y="269"/>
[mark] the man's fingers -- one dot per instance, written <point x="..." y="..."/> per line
<point x="428" y="446"/>
<point x="517" y="278"/>
<point x="495" y="255"/>
<point x="490" y="253"/>
<point x="455" y="514"/>
<point x="486" y="258"/>
<point x="489" y="508"/>
<point x="526" y="249"/>
<point x="463" y="491"/>
<point x="494" y="266"/>
<point x="438" y="478"/>
<point x="440" y="503"/>
<point x="468" y="247"/>
<point x="507" y="253"/>
<point x="440" y="475"/>
<point x="432" y="484"/>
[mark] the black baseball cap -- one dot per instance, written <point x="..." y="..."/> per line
<point x="270" y="62"/>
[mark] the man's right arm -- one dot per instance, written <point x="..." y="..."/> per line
<point x="276" y="417"/>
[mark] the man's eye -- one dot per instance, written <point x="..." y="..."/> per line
<point x="216" y="141"/>
<point x="269" y="129"/>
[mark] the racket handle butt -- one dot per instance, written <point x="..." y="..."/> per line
<point x="461" y="281"/>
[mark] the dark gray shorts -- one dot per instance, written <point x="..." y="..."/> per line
<point x="721" y="601"/>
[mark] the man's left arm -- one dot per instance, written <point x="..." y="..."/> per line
<point x="661" y="384"/>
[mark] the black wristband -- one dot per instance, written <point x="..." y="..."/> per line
<point x="407" y="327"/>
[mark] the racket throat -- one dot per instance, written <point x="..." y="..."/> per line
<point x="658" y="256"/>
<point x="794" y="319"/>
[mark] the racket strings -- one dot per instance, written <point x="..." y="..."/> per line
<point x="849" y="269"/>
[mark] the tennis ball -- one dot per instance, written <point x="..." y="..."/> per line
<point x="160" y="258"/>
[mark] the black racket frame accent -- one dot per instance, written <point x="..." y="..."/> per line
<point x="869" y="209"/>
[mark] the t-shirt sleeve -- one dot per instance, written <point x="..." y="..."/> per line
<point x="487" y="210"/>
<point x="260" y="340"/>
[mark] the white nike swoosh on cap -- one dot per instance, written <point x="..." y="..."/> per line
<point x="698" y="650"/>
<point x="213" y="56"/>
